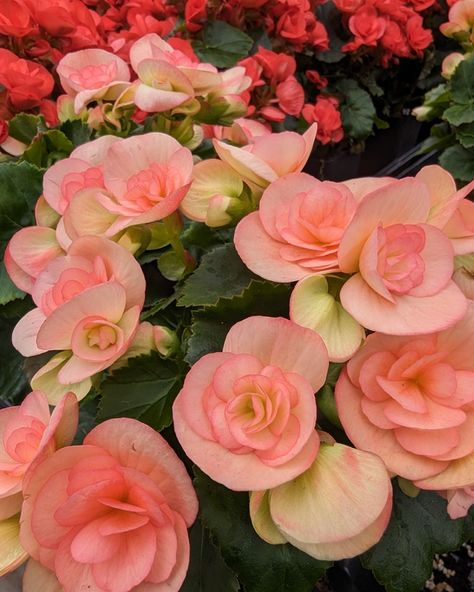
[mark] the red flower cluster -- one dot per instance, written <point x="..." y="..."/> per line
<point x="275" y="92"/>
<point x="326" y="113"/>
<point x="292" y="22"/>
<point x="24" y="83"/>
<point x="391" y="28"/>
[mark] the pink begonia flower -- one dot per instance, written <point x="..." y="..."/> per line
<point x="297" y="228"/>
<point x="459" y="501"/>
<point x="96" y="327"/>
<point x="450" y="211"/>
<point x="89" y="262"/>
<point x="410" y="401"/>
<point x="243" y="131"/>
<point x="200" y="76"/>
<point x="27" y="254"/>
<point x="29" y="432"/>
<point x="322" y="512"/>
<point x="81" y="170"/>
<point x="111" y="514"/>
<point x="93" y="74"/>
<point x="402" y="264"/>
<point x="269" y="157"/>
<point x="460" y="25"/>
<point x="146" y="178"/>
<point x="247" y="416"/>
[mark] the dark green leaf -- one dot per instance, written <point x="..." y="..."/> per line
<point x="207" y="571"/>
<point x="459" y="114"/>
<point x="221" y="274"/>
<point x="207" y="336"/>
<point x="8" y="290"/>
<point x="357" y="110"/>
<point x="462" y="82"/>
<point x="419" y="528"/>
<point x="144" y="390"/>
<point x="77" y="131"/>
<point x="459" y="162"/>
<point x="223" y="45"/>
<point x="465" y="135"/>
<point x="24" y="127"/>
<point x="13" y="381"/>
<point x="331" y="17"/>
<point x="261" y="567"/>
<point x="47" y="148"/>
<point x="20" y="187"/>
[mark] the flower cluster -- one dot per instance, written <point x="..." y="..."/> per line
<point x="201" y="219"/>
<point x="392" y="29"/>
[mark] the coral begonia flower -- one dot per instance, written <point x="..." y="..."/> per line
<point x="338" y="508"/>
<point x="410" y="401"/>
<point x="402" y="264"/>
<point x="111" y="514"/>
<point x="246" y="416"/>
<point x="297" y="228"/>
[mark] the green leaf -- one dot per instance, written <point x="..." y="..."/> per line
<point x="459" y="114"/>
<point x="462" y="82"/>
<point x="47" y="148"/>
<point x="221" y="274"/>
<point x="24" y="127"/>
<point x="357" y="110"/>
<point x="419" y="528"/>
<point x="20" y="187"/>
<point x="207" y="336"/>
<point x="144" y="390"/>
<point x="8" y="290"/>
<point x="465" y="135"/>
<point x="459" y="162"/>
<point x="331" y="17"/>
<point x="207" y="571"/>
<point x="222" y="44"/>
<point x="77" y="131"/>
<point x="13" y="381"/>
<point x="261" y="567"/>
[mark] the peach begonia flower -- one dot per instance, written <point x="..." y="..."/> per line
<point x="313" y="306"/>
<point x="450" y="64"/>
<point x="322" y="512"/>
<point x="247" y="416"/>
<point x="269" y="157"/>
<point x="29" y="432"/>
<point x="167" y="77"/>
<point x="200" y="76"/>
<point x="145" y="179"/>
<point x="460" y="25"/>
<point x="92" y="74"/>
<point x="27" y="254"/>
<point x="402" y="264"/>
<point x="243" y="131"/>
<point x="90" y="261"/>
<point x="410" y="401"/>
<point x="450" y="211"/>
<point x="297" y="228"/>
<point x="111" y="514"/>
<point x="82" y="169"/>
